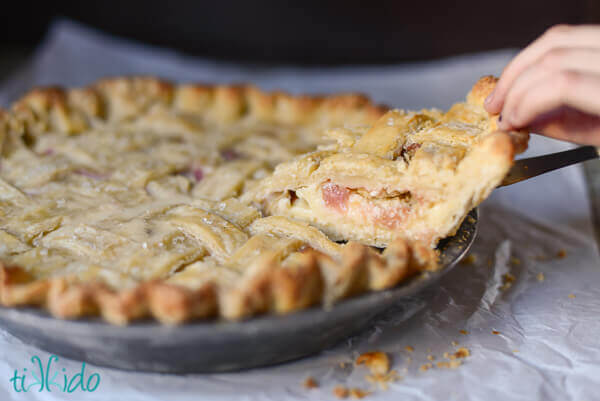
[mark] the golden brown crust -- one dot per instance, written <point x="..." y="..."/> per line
<point x="417" y="174"/>
<point x="116" y="99"/>
<point x="482" y="88"/>
<point x="311" y="279"/>
<point x="271" y="286"/>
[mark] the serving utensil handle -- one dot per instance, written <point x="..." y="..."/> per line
<point x="524" y="169"/>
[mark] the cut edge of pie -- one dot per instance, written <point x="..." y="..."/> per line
<point x="418" y="173"/>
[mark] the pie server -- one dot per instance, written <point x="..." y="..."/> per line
<point x="524" y="169"/>
<point x="209" y="346"/>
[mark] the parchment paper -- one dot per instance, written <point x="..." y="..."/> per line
<point x="546" y="345"/>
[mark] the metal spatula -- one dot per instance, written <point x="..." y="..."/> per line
<point x="524" y="169"/>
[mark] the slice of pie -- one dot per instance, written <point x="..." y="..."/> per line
<point x="136" y="198"/>
<point x="413" y="174"/>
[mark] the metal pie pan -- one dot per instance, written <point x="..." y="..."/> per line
<point x="214" y="346"/>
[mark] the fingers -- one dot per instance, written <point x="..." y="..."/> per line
<point x="578" y="59"/>
<point x="557" y="37"/>
<point x="550" y="68"/>
<point x="535" y="96"/>
<point x="570" y="125"/>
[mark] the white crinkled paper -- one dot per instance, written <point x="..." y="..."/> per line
<point x="547" y="345"/>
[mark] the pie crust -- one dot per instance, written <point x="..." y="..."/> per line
<point x="415" y="172"/>
<point x="136" y="198"/>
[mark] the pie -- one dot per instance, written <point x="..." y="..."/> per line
<point x="136" y="198"/>
<point x="419" y="173"/>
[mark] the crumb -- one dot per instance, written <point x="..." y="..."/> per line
<point x="571" y="296"/>
<point x="515" y="261"/>
<point x="507" y="280"/>
<point x="342" y="364"/>
<point x="449" y="364"/>
<point x="508" y="277"/>
<point x="561" y="254"/>
<point x="408" y="348"/>
<point x="425" y="367"/>
<point x="462" y="353"/>
<point x="454" y="343"/>
<point x="465" y="332"/>
<point x="430" y="357"/>
<point x="383" y="380"/>
<point x="340" y="392"/>
<point x="470" y="259"/>
<point x="310" y="382"/>
<point x="471" y="220"/>
<point x="358" y="393"/>
<point x="378" y="362"/>
<point x="495" y="332"/>
<point x="540" y="276"/>
<point x="515" y="350"/>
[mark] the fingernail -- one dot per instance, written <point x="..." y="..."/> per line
<point x="501" y="124"/>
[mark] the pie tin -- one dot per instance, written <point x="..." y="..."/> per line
<point x="209" y="346"/>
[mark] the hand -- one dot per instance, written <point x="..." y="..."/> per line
<point x="553" y="86"/>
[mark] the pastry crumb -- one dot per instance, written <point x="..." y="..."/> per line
<point x="470" y="259"/>
<point x="571" y="296"/>
<point x="515" y="350"/>
<point x="342" y="364"/>
<point x="383" y="380"/>
<point x="462" y="353"/>
<point x="378" y="362"/>
<point x="496" y="332"/>
<point x="454" y="343"/>
<point x="561" y="254"/>
<point x="449" y="364"/>
<point x="465" y="332"/>
<point x="431" y="357"/>
<point x="540" y="276"/>
<point x="507" y="280"/>
<point x="408" y="348"/>
<point x="515" y="261"/>
<point x="425" y="367"/>
<point x="358" y="393"/>
<point x="341" y="392"/>
<point x="310" y="382"/>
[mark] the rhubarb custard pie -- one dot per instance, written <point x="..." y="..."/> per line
<point x="135" y="198"/>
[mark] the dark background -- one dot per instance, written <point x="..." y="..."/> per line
<point x="304" y="32"/>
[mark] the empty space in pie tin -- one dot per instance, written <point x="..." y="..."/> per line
<point x="215" y="346"/>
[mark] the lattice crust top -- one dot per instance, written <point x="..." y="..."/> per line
<point x="418" y="173"/>
<point x="134" y="198"/>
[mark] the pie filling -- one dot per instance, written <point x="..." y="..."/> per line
<point x="374" y="207"/>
